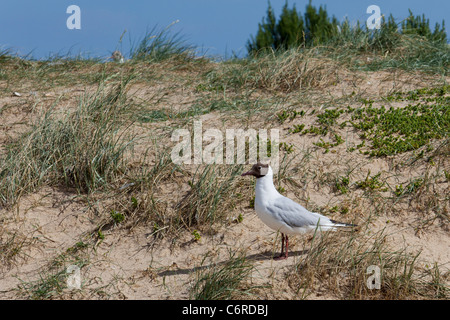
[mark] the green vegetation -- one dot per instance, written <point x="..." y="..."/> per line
<point x="328" y="145"/>
<point x="292" y="29"/>
<point x="411" y="46"/>
<point x="117" y="216"/>
<point x="447" y="175"/>
<point x="389" y="131"/>
<point x="289" y="114"/>
<point x="396" y="130"/>
<point x="411" y="187"/>
<point x="315" y="27"/>
<point x="297" y="128"/>
<point x="371" y="183"/>
<point x="161" y="44"/>
<point x="196" y="235"/>
<point x="342" y="184"/>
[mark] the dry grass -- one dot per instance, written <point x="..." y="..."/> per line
<point x="82" y="150"/>
<point x="343" y="264"/>
<point x="210" y="197"/>
<point x="284" y="72"/>
<point x="224" y="281"/>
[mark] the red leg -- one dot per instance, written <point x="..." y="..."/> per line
<point x="286" y="240"/>
<point x="284" y="248"/>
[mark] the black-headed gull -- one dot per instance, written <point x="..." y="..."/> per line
<point x="117" y="56"/>
<point x="282" y="214"/>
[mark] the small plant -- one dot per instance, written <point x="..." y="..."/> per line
<point x="281" y="190"/>
<point x="81" y="149"/>
<point x="149" y="116"/>
<point x="162" y="44"/>
<point x="342" y="184"/>
<point x="134" y="202"/>
<point x="50" y="284"/>
<point x="334" y="209"/>
<point x="252" y="202"/>
<point x="291" y="114"/>
<point x="447" y="175"/>
<point x="415" y="185"/>
<point x="323" y="144"/>
<point x="328" y="145"/>
<point x="295" y="113"/>
<point x="209" y="87"/>
<point x="282" y="116"/>
<point x="341" y="263"/>
<point x="117" y="216"/>
<point x="371" y="183"/>
<point x="100" y="235"/>
<point x="344" y="210"/>
<point x="298" y="128"/>
<point x="338" y="139"/>
<point x="196" y="235"/>
<point x="329" y="116"/>
<point x="399" y="190"/>
<point x="367" y="101"/>
<point x="411" y="187"/>
<point x="288" y="148"/>
<point x="317" y="130"/>
<point x="78" y="246"/>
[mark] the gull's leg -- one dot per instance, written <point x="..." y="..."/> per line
<point x="286" y="240"/>
<point x="284" y="248"/>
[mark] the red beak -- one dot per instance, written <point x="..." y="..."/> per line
<point x="248" y="173"/>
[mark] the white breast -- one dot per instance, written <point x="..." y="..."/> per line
<point x="265" y="192"/>
<point x="267" y="217"/>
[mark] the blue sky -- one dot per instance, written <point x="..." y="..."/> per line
<point x="220" y="27"/>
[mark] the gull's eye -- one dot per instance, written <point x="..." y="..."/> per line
<point x="259" y="168"/>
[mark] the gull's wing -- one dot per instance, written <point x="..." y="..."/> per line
<point x="294" y="215"/>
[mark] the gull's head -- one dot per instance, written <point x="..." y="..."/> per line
<point x="259" y="170"/>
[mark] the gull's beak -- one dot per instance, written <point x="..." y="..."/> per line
<point x="248" y="173"/>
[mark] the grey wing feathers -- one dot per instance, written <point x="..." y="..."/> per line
<point x="294" y="214"/>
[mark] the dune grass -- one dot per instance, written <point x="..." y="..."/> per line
<point x="82" y="149"/>
<point x="224" y="281"/>
<point x="160" y="44"/>
<point x="344" y="266"/>
<point x="211" y="196"/>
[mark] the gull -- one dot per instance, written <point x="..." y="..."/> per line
<point x="283" y="214"/>
<point x="117" y="56"/>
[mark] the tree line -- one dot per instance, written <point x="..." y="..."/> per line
<point x="316" y="27"/>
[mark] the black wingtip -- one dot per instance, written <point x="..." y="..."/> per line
<point x="345" y="224"/>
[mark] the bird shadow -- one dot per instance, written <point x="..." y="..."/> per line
<point x="263" y="256"/>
